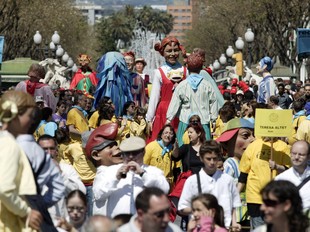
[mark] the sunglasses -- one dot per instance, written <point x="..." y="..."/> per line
<point x="161" y="214"/>
<point x="270" y="203"/>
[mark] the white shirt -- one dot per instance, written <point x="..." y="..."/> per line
<point x="221" y="185"/>
<point x="293" y="176"/>
<point x="100" y="206"/>
<point x="119" y="195"/>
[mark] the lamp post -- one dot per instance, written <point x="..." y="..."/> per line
<point x="216" y="65"/>
<point x="249" y="38"/>
<point x="229" y="53"/>
<point x="37" y="39"/>
<point x="238" y="57"/>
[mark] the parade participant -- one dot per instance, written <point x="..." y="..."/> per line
<point x="159" y="152"/>
<point x="193" y="95"/>
<point x="114" y="81"/>
<point x="103" y="151"/>
<point x="257" y="168"/>
<point x="300" y="171"/>
<point x="282" y="207"/>
<point x="139" y="67"/>
<point x="152" y="206"/>
<point x="84" y="79"/>
<point x="238" y="134"/>
<point x="299" y="115"/>
<point x="302" y="132"/>
<point x="77" y="118"/>
<point x="207" y="215"/>
<point x="119" y="189"/>
<point x="137" y="87"/>
<point x="16" y="176"/>
<point x="267" y="86"/>
<point x="164" y="82"/>
<point x="34" y="87"/>
<point x="60" y="116"/>
<point x="284" y="99"/>
<point x="138" y="126"/>
<point x="212" y="181"/>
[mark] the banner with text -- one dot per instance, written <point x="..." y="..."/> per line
<point x="273" y="123"/>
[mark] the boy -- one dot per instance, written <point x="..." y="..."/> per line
<point x="212" y="181"/>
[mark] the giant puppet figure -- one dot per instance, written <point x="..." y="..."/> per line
<point x="164" y="81"/>
<point x="114" y="81"/>
<point x="84" y="79"/>
<point x="137" y="87"/>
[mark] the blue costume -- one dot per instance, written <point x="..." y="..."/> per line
<point x="114" y="81"/>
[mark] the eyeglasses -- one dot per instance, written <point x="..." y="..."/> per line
<point x="77" y="208"/>
<point x="270" y="203"/>
<point x="161" y="214"/>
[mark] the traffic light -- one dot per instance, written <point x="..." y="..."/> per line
<point x="239" y="63"/>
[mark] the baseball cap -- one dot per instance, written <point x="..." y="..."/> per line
<point x="132" y="143"/>
<point x="101" y="137"/>
<point x="39" y="99"/>
<point x="232" y="127"/>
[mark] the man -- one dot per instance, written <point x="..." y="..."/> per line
<point x="103" y="151"/>
<point x="77" y="118"/>
<point x="257" y="167"/>
<point x="34" y="87"/>
<point x="284" y="99"/>
<point x="213" y="181"/>
<point x="71" y="180"/>
<point x="152" y="215"/>
<point x="306" y="97"/>
<point x="267" y="86"/>
<point x="303" y="130"/>
<point x="126" y="180"/>
<point x="193" y="95"/>
<point x="273" y="103"/>
<point x="46" y="173"/>
<point x="300" y="156"/>
<point x="98" y="223"/>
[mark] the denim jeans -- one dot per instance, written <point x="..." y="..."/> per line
<point x="256" y="222"/>
<point x="89" y="197"/>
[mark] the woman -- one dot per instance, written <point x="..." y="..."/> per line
<point x="165" y="79"/>
<point x="208" y="215"/>
<point x="189" y="153"/>
<point x="76" y="204"/>
<point x="159" y="152"/>
<point x="16" y="175"/>
<point x="282" y="207"/>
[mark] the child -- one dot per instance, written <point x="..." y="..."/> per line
<point x="207" y="214"/>
<point x="212" y="181"/>
<point x="139" y="126"/>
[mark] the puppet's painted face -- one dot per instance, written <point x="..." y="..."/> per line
<point x="129" y="62"/>
<point x="171" y="53"/>
<point x="84" y="60"/>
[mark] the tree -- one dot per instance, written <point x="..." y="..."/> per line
<point x="29" y="16"/>
<point x="274" y="24"/>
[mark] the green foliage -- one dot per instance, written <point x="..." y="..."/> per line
<point x="120" y="26"/>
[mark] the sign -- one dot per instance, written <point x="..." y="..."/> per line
<point x="303" y="42"/>
<point x="1" y="48"/>
<point x="273" y="123"/>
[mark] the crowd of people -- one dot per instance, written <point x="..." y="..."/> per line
<point x="122" y="150"/>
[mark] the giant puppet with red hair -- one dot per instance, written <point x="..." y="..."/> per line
<point x="164" y="81"/>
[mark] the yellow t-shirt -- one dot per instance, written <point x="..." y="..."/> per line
<point x="255" y="162"/>
<point x="137" y="129"/>
<point x="74" y="155"/>
<point x="92" y="122"/>
<point x="154" y="157"/>
<point x="76" y="118"/>
<point x="296" y="124"/>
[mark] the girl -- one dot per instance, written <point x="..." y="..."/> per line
<point x="60" y="116"/>
<point x="76" y="203"/>
<point x="138" y="127"/>
<point x="207" y="214"/>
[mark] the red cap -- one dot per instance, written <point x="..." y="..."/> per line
<point x="101" y="137"/>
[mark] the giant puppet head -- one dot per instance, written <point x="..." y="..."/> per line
<point x="264" y="65"/>
<point x="129" y="59"/>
